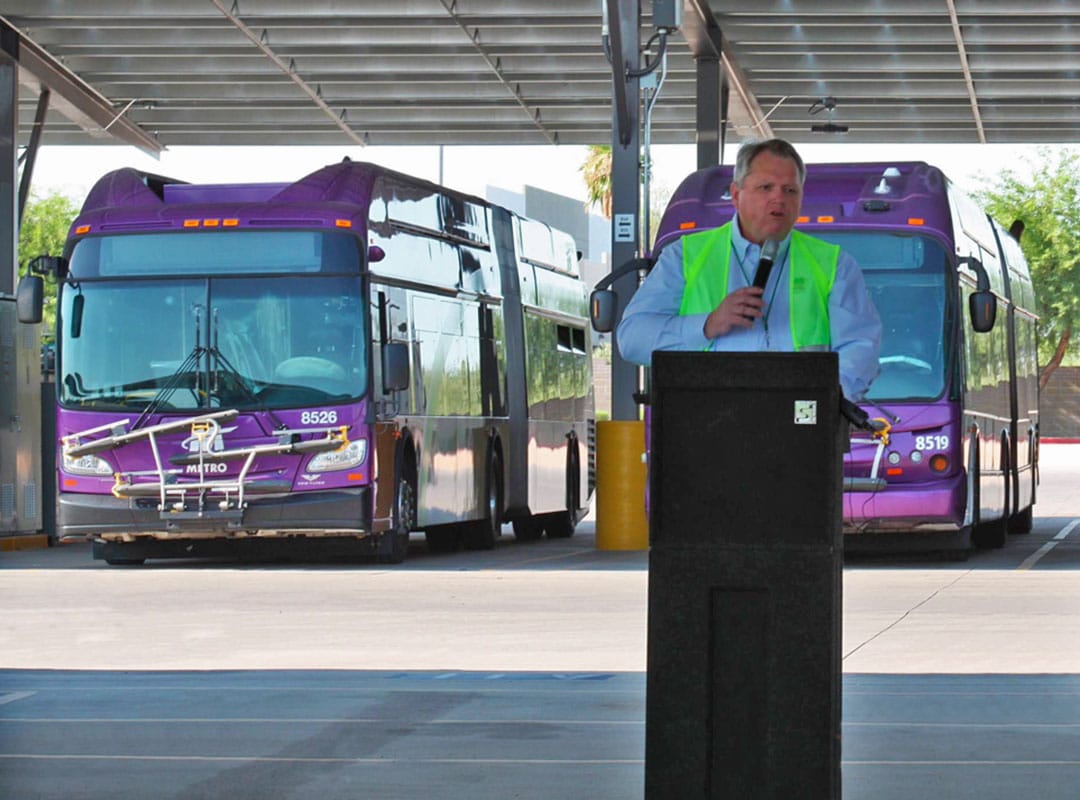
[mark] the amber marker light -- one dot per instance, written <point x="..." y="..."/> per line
<point x="191" y="223"/>
<point x="916" y="221"/>
<point x="356" y="476"/>
<point x="230" y="223"/>
<point x="894" y="471"/>
<point x="343" y="223"/>
<point x="826" y="219"/>
<point x="686" y="226"/>
<point x="82" y="229"/>
<point x="939" y="462"/>
<point x="801" y="219"/>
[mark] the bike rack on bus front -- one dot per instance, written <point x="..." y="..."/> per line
<point x="204" y="430"/>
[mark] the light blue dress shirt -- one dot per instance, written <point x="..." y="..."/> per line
<point x="652" y="322"/>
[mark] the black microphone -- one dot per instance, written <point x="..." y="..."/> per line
<point x="764" y="266"/>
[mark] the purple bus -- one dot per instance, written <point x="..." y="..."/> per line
<point x="315" y="369"/>
<point x="955" y="462"/>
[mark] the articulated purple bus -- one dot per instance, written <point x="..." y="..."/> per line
<point x="957" y="395"/>
<point x="315" y="368"/>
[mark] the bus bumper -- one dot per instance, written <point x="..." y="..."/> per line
<point x="917" y="507"/>
<point x="341" y="512"/>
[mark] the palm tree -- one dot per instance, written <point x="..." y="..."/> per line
<point x="596" y="169"/>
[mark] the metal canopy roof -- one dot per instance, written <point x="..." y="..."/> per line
<point x="272" y="72"/>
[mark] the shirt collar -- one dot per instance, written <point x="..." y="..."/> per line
<point x="748" y="251"/>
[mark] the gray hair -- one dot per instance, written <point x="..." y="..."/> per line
<point x="751" y="149"/>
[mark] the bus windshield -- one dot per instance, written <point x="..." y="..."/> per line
<point x="198" y="343"/>
<point x="906" y="278"/>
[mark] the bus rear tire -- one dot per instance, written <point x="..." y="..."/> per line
<point x="484" y="533"/>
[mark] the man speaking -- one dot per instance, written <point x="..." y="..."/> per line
<point x="755" y="284"/>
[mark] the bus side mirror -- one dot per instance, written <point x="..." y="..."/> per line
<point x="982" y="305"/>
<point x="48" y="265"/>
<point x="603" y="302"/>
<point x="395" y="367"/>
<point x="983" y="309"/>
<point x="602" y="307"/>
<point x="29" y="299"/>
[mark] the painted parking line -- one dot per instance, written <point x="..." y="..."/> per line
<point x="11" y="697"/>
<point x="1034" y="558"/>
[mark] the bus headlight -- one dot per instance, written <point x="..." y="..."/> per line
<point x="86" y="465"/>
<point x="351" y="455"/>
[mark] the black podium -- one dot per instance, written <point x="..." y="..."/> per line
<point x="745" y="571"/>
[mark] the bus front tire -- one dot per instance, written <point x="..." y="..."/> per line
<point x="482" y="534"/>
<point x="528" y="529"/>
<point x="559" y="525"/>
<point x="1021" y="522"/>
<point x="394" y="543"/>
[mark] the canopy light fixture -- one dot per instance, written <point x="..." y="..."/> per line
<point x="826" y="104"/>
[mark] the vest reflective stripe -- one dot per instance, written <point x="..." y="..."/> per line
<point x="811" y="274"/>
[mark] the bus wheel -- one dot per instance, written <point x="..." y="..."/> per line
<point x="1021" y="522"/>
<point x="483" y="534"/>
<point x="394" y="545"/>
<point x="995" y="532"/>
<point x="528" y="529"/>
<point x="560" y="525"/>
<point x="442" y="538"/>
<point x="990" y="535"/>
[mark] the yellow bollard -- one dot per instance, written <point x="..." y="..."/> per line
<point x="621" y="523"/>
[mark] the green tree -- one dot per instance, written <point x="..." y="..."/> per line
<point x="596" y="170"/>
<point x="43" y="231"/>
<point x="1048" y="203"/>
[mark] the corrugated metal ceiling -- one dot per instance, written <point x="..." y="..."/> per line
<point x="269" y="72"/>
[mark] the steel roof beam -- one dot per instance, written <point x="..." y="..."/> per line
<point x="495" y="66"/>
<point x="968" y="82"/>
<point x="290" y="70"/>
<point x="73" y="97"/>
<point x="703" y="35"/>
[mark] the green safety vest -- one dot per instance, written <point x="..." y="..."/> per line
<point x="812" y="274"/>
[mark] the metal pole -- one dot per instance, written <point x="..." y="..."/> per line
<point x="32" y="151"/>
<point x="625" y="190"/>
<point x="9" y="129"/>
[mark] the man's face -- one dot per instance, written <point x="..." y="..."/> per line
<point x="769" y="199"/>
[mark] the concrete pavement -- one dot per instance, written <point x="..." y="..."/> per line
<point x="514" y="673"/>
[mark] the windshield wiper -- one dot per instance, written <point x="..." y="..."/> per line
<point x="189" y="365"/>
